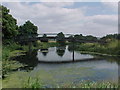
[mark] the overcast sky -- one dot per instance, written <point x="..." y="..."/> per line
<point x="87" y="18"/>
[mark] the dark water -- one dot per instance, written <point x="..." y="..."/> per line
<point x="104" y="69"/>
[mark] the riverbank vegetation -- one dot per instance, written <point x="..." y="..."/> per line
<point x="35" y="84"/>
<point x="111" y="48"/>
<point x="13" y="49"/>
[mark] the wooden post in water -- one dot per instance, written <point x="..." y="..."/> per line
<point x="73" y="50"/>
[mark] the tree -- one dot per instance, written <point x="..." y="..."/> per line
<point x="28" y="30"/>
<point x="44" y="38"/>
<point x="110" y="37"/>
<point x="79" y="37"/>
<point x="44" y="35"/>
<point x="60" y="38"/>
<point x="60" y="51"/>
<point x="84" y="38"/>
<point x="9" y="24"/>
<point x="91" y="38"/>
<point x="76" y="37"/>
<point x="70" y="38"/>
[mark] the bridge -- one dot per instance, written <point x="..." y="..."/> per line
<point x="52" y="37"/>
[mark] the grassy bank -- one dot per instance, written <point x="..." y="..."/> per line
<point x="35" y="83"/>
<point x="9" y="51"/>
<point x="111" y="48"/>
<point x="96" y="53"/>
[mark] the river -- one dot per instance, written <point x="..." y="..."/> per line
<point x="51" y="74"/>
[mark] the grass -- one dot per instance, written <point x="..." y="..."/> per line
<point x="32" y="83"/>
<point x="88" y="84"/>
<point x="35" y="83"/>
<point x="8" y="66"/>
<point x="111" y="48"/>
<point x="45" y="45"/>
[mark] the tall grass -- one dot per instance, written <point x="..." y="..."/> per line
<point x="111" y="48"/>
<point x="35" y="83"/>
<point x="32" y="83"/>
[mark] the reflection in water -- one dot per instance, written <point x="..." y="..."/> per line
<point x="29" y="59"/>
<point x="60" y="50"/>
<point x="44" y="51"/>
<point x="61" y="53"/>
<point x="71" y="47"/>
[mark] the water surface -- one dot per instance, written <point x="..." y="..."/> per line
<point x="60" y="54"/>
<point x="51" y="74"/>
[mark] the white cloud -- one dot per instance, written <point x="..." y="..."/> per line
<point x="59" y="0"/>
<point x="108" y="20"/>
<point x="112" y="5"/>
<point x="53" y="17"/>
<point x="109" y="0"/>
<point x="57" y="4"/>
